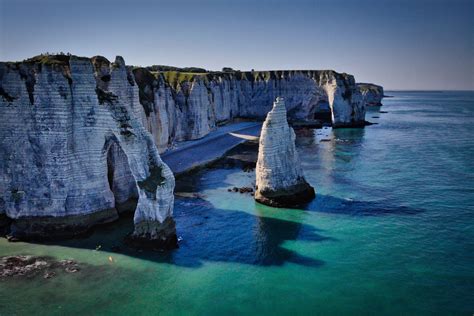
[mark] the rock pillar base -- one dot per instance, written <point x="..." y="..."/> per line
<point x="293" y="197"/>
<point x="154" y="235"/>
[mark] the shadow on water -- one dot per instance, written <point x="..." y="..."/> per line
<point x="210" y="234"/>
<point x="335" y="205"/>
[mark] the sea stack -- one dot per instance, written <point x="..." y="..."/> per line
<point x="279" y="177"/>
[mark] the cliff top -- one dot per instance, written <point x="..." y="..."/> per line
<point x="364" y="85"/>
<point x="52" y="59"/>
<point x="175" y="75"/>
<point x="152" y="76"/>
<point x="370" y="87"/>
<point x="47" y="59"/>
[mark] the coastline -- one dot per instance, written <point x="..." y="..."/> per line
<point x="191" y="155"/>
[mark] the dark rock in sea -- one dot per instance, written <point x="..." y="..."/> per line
<point x="367" y="123"/>
<point x="359" y="124"/>
<point x="292" y="197"/>
<point x="249" y="167"/>
<point x="305" y="123"/>
<point x="241" y="190"/>
<point x="166" y="240"/>
<point x="31" y="266"/>
<point x="245" y="190"/>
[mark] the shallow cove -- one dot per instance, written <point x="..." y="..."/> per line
<point x="391" y="232"/>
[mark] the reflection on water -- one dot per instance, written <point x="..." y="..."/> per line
<point x="250" y="239"/>
<point x="322" y="159"/>
<point x="334" y="205"/>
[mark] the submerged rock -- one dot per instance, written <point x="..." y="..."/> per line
<point x="154" y="235"/>
<point x="280" y="180"/>
<point x="241" y="190"/>
<point x="31" y="266"/>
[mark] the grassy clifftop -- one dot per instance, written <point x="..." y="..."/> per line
<point x="370" y="87"/>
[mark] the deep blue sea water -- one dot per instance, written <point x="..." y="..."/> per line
<point x="391" y="232"/>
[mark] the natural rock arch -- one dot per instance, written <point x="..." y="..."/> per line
<point x="121" y="181"/>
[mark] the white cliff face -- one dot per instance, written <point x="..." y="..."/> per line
<point x="345" y="101"/>
<point x="195" y="115"/>
<point x="372" y="94"/>
<point x="279" y="177"/>
<point x="81" y="151"/>
<point x="224" y="98"/>
<point x="80" y="138"/>
<point x="196" y="105"/>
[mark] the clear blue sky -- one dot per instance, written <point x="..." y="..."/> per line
<point x="401" y="44"/>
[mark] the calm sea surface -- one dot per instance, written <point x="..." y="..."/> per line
<point x="391" y="232"/>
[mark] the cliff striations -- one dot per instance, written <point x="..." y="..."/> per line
<point x="80" y="137"/>
<point x="279" y="177"/>
<point x="74" y="152"/>
<point x="184" y="106"/>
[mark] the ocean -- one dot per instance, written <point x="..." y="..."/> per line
<point x="391" y="232"/>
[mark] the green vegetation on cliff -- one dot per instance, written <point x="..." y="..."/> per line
<point x="52" y="59"/>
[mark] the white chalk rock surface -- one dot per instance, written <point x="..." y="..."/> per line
<point x="279" y="176"/>
<point x="74" y="152"/>
<point x="181" y="107"/>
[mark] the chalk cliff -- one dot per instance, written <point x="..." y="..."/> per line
<point x="372" y="94"/>
<point x="74" y="152"/>
<point x="279" y="176"/>
<point x="80" y="137"/>
<point x="183" y="106"/>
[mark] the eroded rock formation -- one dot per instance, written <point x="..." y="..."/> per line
<point x="80" y="137"/>
<point x="279" y="177"/>
<point x="183" y="106"/>
<point x="372" y="94"/>
<point x="74" y="152"/>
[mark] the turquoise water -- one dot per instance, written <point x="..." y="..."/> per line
<point x="391" y="232"/>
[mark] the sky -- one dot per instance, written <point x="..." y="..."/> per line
<point x="400" y="44"/>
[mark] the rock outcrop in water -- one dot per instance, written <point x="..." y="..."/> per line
<point x="74" y="152"/>
<point x="372" y="94"/>
<point x="279" y="176"/>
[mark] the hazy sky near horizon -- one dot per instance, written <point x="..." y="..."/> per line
<point x="401" y="44"/>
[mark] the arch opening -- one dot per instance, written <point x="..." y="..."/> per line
<point x="122" y="184"/>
